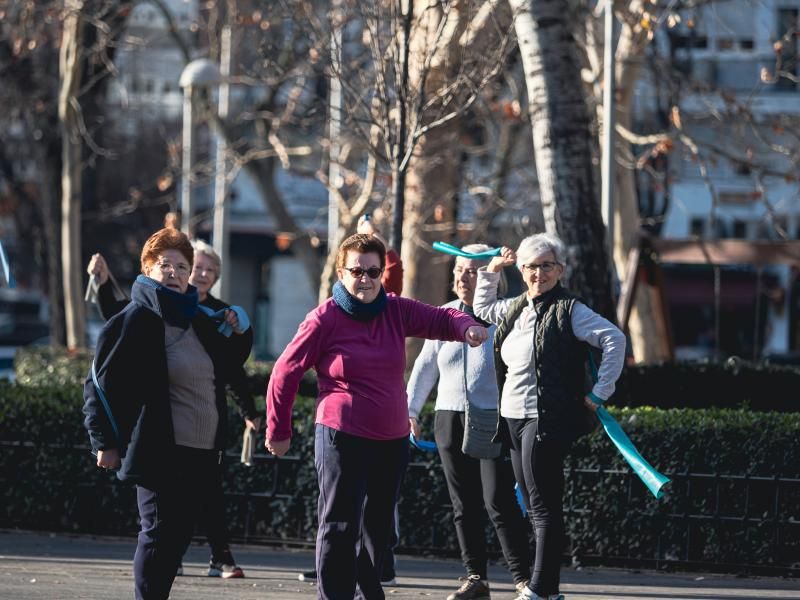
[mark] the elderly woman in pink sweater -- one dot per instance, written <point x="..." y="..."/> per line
<point x="356" y="343"/>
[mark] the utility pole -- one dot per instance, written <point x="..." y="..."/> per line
<point x="608" y="162"/>
<point x="221" y="237"/>
<point x="334" y="127"/>
<point x="198" y="74"/>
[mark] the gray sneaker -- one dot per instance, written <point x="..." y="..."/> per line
<point x="473" y="588"/>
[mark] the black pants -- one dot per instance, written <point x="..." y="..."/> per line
<point x="168" y="512"/>
<point x="213" y="519"/>
<point x="478" y="486"/>
<point x="539" y="469"/>
<point x="359" y="481"/>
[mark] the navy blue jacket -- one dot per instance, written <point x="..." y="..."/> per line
<point x="131" y="367"/>
<point x="240" y="383"/>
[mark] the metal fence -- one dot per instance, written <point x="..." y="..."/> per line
<point x="715" y="522"/>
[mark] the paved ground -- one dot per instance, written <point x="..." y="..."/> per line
<point x="38" y="566"/>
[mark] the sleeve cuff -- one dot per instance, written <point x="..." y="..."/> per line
<point x="596" y="399"/>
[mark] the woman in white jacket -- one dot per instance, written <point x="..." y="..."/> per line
<point x="476" y="486"/>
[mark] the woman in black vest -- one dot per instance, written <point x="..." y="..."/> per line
<point x="541" y="349"/>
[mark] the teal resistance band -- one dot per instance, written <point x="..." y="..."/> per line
<point x="654" y="480"/>
<point x="450" y="249"/>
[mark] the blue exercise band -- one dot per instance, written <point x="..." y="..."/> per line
<point x="654" y="480"/>
<point x="649" y="476"/>
<point x="421" y="444"/>
<point x="219" y="316"/>
<point x="450" y="249"/>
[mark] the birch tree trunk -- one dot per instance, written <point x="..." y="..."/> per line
<point x="70" y="77"/>
<point x="647" y="343"/>
<point x="562" y="142"/>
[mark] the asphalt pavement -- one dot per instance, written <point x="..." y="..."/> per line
<point x="38" y="566"/>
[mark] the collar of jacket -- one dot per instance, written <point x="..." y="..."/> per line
<point x="545" y="299"/>
<point x="175" y="308"/>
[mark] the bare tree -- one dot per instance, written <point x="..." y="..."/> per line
<point x="563" y="144"/>
<point x="50" y="112"/>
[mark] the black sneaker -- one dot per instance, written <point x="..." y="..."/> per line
<point x="473" y="588"/>
<point x="310" y="576"/>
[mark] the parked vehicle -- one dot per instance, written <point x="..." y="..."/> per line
<point x="23" y="320"/>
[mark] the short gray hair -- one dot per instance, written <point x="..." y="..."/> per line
<point x="538" y="244"/>
<point x="202" y="247"/>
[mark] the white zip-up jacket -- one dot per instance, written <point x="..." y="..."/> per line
<point x="464" y="374"/>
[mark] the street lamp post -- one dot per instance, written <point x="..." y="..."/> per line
<point x="197" y="75"/>
<point x="608" y="163"/>
<point x="221" y="238"/>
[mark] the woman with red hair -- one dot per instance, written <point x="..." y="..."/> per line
<point x="155" y="404"/>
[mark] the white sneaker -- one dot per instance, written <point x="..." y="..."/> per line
<point x="526" y="593"/>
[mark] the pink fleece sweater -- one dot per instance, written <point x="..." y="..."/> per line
<point x="359" y="365"/>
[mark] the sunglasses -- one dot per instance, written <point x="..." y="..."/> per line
<point x="358" y="272"/>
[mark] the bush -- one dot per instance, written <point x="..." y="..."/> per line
<point x="50" y="482"/>
<point x="731" y="384"/>
<point x="48" y="366"/>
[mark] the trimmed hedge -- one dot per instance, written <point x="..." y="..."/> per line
<point x="733" y="383"/>
<point x="730" y="384"/>
<point x="610" y="514"/>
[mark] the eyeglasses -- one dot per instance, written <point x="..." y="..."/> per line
<point x="545" y="267"/>
<point x="358" y="272"/>
<point x="459" y="271"/>
<point x="180" y="269"/>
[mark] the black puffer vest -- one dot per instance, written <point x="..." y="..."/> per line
<point x="560" y="360"/>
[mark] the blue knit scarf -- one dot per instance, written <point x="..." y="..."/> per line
<point x="354" y="307"/>
<point x="175" y="308"/>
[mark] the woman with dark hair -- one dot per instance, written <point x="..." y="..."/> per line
<point x="356" y="343"/>
<point x="155" y="404"/>
<point x="541" y="350"/>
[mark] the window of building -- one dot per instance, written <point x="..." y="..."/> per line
<point x="725" y="44"/>
<point x="746" y="44"/>
<point x="691" y="41"/>
<point x="736" y="198"/>
<point x="739" y="229"/>
<point x="697" y="227"/>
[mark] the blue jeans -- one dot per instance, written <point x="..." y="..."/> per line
<point x="359" y="481"/>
